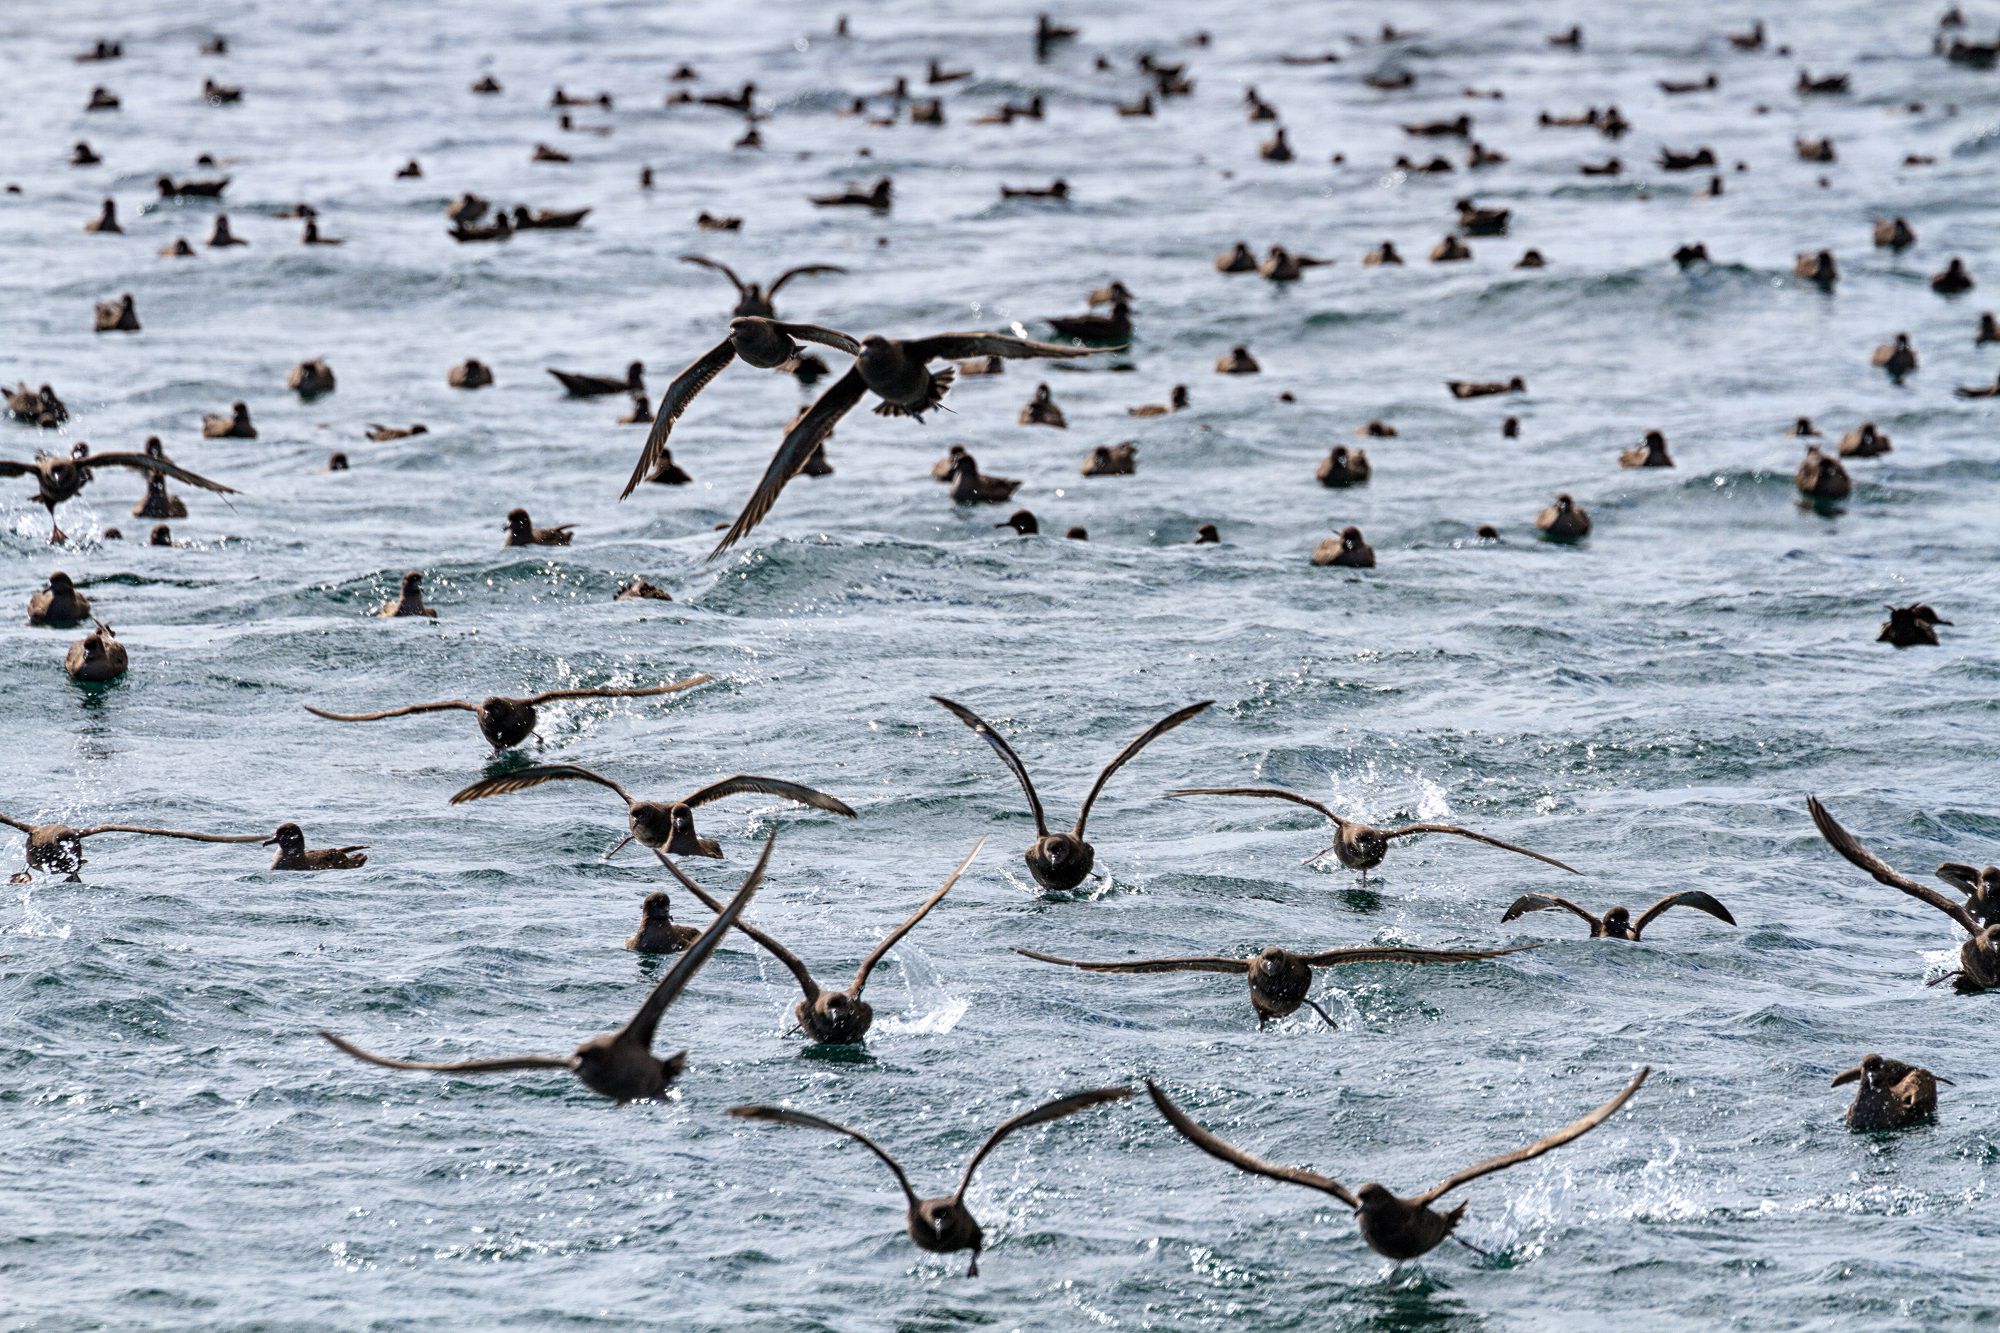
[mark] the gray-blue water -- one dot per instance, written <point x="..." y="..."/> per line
<point x="178" y="1149"/>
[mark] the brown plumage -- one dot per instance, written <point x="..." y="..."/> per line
<point x="1280" y="979"/>
<point x="942" y="1225"/>
<point x="1911" y="626"/>
<point x="1889" y="1095"/>
<point x="1617" y="924"/>
<point x="57" y="849"/>
<point x="1059" y="861"/>
<point x="506" y="722"/>
<point x="831" y="1017"/>
<point x="521" y="531"/>
<point x="60" y="477"/>
<point x="1360" y="846"/>
<point x="290" y="840"/>
<point x="619" y="1065"/>
<point x="1978" y="957"/>
<point x="1396" y="1228"/>
<point x="1821" y="477"/>
<point x="752" y="299"/>
<point x="664" y="826"/>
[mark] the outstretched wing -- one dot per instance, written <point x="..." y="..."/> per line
<point x="1004" y="750"/>
<point x="705" y="262"/>
<point x="814" y="333"/>
<point x="1239" y="1159"/>
<point x="1274" y="793"/>
<point x="802" y="271"/>
<point x="1152" y="733"/>
<point x="1047" y="1111"/>
<point x="647" y="1021"/>
<point x="1409" y="829"/>
<point x="523" y="778"/>
<point x="889" y="941"/>
<point x="674" y="402"/>
<point x="799" y="443"/>
<point x="609" y="692"/>
<point x="744" y="783"/>
<point x="1542" y="902"/>
<point x="1846" y="844"/>
<point x="792" y="961"/>
<point x="148" y="463"/>
<point x="964" y="346"/>
<point x="1372" y="954"/>
<point x="441" y="706"/>
<point x="11" y="468"/>
<point x="456" y="1066"/>
<point x="20" y="824"/>
<point x="1239" y="966"/>
<point x="170" y="833"/>
<point x="1694" y="898"/>
<point x="1536" y="1149"/>
<point x="778" y="1115"/>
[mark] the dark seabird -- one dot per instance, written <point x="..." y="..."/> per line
<point x="96" y="657"/>
<point x="1803" y="427"/>
<point x="878" y="197"/>
<point x="640" y="590"/>
<point x="84" y="156"/>
<point x="57" y="849"/>
<point x="1485" y="388"/>
<point x="1818" y="269"/>
<point x="36" y="407"/>
<point x="1207" y="534"/>
<point x="641" y="413"/>
<point x="1360" y="846"/>
<point x="1078" y="534"/>
<point x="831" y="1017"/>
<point x="1687" y="256"/>
<point x="311" y="379"/>
<point x="1112" y="460"/>
<point x="1396" y="1228"/>
<point x="311" y="235"/>
<point x="1953" y="279"/>
<point x="158" y="502"/>
<point x="1115" y="327"/>
<point x="1864" y="441"/>
<point x="1022" y="522"/>
<point x="170" y="188"/>
<point x="599" y="386"/>
<point x="471" y="374"/>
<point x="1891" y="1095"/>
<point x="290" y="840"/>
<point x="971" y="486"/>
<point x="1989" y="331"/>
<point x="755" y="300"/>
<point x="1343" y="467"/>
<point x="1280" y="979"/>
<point x="1821" y="477"/>
<point x="410" y="600"/>
<point x="1564" y="521"/>
<point x="657" y="931"/>
<point x="220" y="237"/>
<point x="59" y="477"/>
<point x="235" y="426"/>
<point x="1177" y="401"/>
<point x="1382" y="254"/>
<point x="506" y="722"/>
<point x="1350" y="550"/>
<point x="664" y="826"/>
<point x="118" y="316"/>
<point x="1236" y="259"/>
<point x="380" y="434"/>
<point x="1899" y="359"/>
<point x="161" y="535"/>
<point x="521" y="531"/>
<point x="1531" y="259"/>
<point x="707" y="221"/>
<point x="410" y="170"/>
<point x="1041" y="410"/>
<point x="1617" y="924"/>
<point x="1653" y="453"/>
<point x="767" y="344"/>
<point x="1450" y="250"/>
<point x="1237" y="361"/>
<point x="667" y="472"/>
<point x="1059" y="861"/>
<point x="547" y="219"/>
<point x="106" y="221"/>
<point x="619" y="1065"/>
<point x="59" y="605"/>
<point x="1978" y="958"/>
<point x="942" y="1225"/>
<point x="894" y="370"/>
<point x="1911" y="626"/>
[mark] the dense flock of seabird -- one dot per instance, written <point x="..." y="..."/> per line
<point x="912" y="377"/>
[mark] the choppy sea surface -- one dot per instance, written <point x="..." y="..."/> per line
<point x="179" y="1150"/>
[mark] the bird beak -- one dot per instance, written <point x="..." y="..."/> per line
<point x="1942" y="1079"/>
<point x="1846" y="1076"/>
<point x="619" y="848"/>
<point x="268" y="842"/>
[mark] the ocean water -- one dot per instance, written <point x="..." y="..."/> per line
<point x="179" y="1150"/>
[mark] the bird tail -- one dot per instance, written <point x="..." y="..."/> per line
<point x="939" y="386"/>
